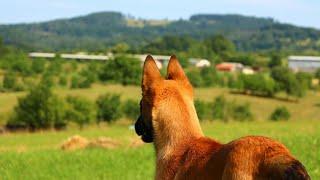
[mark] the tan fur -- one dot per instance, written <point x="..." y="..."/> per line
<point x="183" y="152"/>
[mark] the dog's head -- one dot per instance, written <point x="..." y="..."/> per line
<point x="160" y="95"/>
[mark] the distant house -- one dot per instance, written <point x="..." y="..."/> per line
<point x="200" y="63"/>
<point x="247" y="71"/>
<point x="229" y="67"/>
<point x="304" y="63"/>
<point x="42" y="55"/>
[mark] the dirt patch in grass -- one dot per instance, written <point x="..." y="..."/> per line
<point x="75" y="142"/>
<point x="79" y="142"/>
<point x="104" y="142"/>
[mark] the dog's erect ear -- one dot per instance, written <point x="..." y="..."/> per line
<point x="151" y="72"/>
<point x="175" y="71"/>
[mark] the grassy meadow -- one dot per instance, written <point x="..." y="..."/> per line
<point x="38" y="155"/>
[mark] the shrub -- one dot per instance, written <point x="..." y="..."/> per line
<point x="219" y="108"/>
<point x="195" y="77"/>
<point x="280" y="113"/>
<point x="48" y="80"/>
<point x="55" y="67"/>
<point x="317" y="74"/>
<point x="39" y="109"/>
<point x="22" y="66"/>
<point x="258" y="84"/>
<point x="241" y="112"/>
<point x="38" y="66"/>
<point x="63" y="80"/>
<point x="203" y="109"/>
<point x="80" y="110"/>
<point x="287" y="81"/>
<point x="304" y="79"/>
<point x="209" y="76"/>
<point x="131" y="109"/>
<point x="108" y="106"/>
<point x="75" y="81"/>
<point x="122" y="69"/>
<point x="10" y="81"/>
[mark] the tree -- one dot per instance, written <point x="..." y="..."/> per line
<point x="210" y="77"/>
<point x="195" y="78"/>
<point x="287" y="82"/>
<point x="317" y="73"/>
<point x="80" y="110"/>
<point x="38" y="66"/>
<point x="63" y="80"/>
<point x="125" y="70"/>
<point x="10" y="81"/>
<point x="275" y="60"/>
<point x="220" y="45"/>
<point x="109" y="108"/>
<point x="304" y="79"/>
<point x="258" y="84"/>
<point x="39" y="109"/>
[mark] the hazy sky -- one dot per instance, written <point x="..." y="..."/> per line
<point x="299" y="12"/>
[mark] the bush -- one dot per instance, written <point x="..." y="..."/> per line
<point x="194" y="77"/>
<point x="203" y="109"/>
<point x="241" y="112"/>
<point x="75" y="81"/>
<point x="38" y="66"/>
<point x="122" y="69"/>
<point x="210" y="77"/>
<point x="219" y="108"/>
<point x="80" y="110"/>
<point x="131" y="109"/>
<point x="10" y="81"/>
<point x="258" y="84"/>
<point x="109" y="108"/>
<point x="287" y="81"/>
<point x="48" y="80"/>
<point x="39" y="109"/>
<point x="280" y="113"/>
<point x="55" y="67"/>
<point x="63" y="80"/>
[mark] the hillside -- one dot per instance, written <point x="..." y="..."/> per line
<point x="99" y="31"/>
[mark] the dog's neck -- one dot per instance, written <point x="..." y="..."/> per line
<point x="174" y="127"/>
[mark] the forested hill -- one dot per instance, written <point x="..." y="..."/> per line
<point x="99" y="31"/>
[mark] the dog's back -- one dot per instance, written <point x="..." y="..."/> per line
<point x="250" y="157"/>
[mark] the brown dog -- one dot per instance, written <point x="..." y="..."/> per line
<point x="169" y="119"/>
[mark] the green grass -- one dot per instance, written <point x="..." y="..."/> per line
<point x="306" y="108"/>
<point x="38" y="156"/>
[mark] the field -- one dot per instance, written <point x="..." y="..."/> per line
<point x="38" y="155"/>
<point x="307" y="108"/>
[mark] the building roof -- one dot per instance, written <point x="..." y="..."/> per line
<point x="84" y="57"/>
<point x="304" y="58"/>
<point x="42" y="55"/>
<point x="228" y="66"/>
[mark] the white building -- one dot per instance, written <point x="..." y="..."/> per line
<point x="304" y="63"/>
<point x="42" y="55"/>
<point x="85" y="57"/>
<point x="200" y="63"/>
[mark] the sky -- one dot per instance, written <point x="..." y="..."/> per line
<point x="299" y="12"/>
